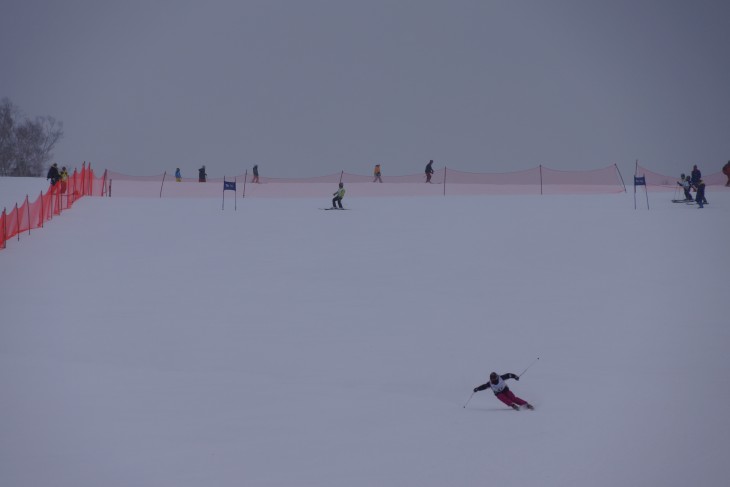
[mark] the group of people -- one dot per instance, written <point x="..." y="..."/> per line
<point x="377" y="174"/>
<point x="694" y="182"/>
<point x="55" y="176"/>
<point x="203" y="176"/>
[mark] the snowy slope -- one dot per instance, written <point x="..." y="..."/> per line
<point x="169" y="343"/>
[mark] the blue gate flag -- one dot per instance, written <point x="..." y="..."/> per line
<point x="639" y="180"/>
<point x="229" y="185"/>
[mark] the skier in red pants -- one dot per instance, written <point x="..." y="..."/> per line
<point x="500" y="389"/>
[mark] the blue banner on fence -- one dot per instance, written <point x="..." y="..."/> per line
<point x="639" y="180"/>
<point x="229" y="185"/>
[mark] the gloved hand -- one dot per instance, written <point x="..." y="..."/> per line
<point x="517" y="377"/>
<point x="476" y="389"/>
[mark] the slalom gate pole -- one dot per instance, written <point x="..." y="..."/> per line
<point x="540" y="178"/>
<point x="235" y="201"/>
<point x="467" y="401"/>
<point x="245" y="177"/>
<point x="533" y="363"/>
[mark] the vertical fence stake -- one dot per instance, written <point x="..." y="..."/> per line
<point x="5" y="223"/>
<point x="245" y="177"/>
<point x="42" y="209"/>
<point x="540" y="178"/>
<point x="620" y="176"/>
<point x="444" y="180"/>
<point x="17" y="221"/>
<point x="27" y="203"/>
<point x="163" y="182"/>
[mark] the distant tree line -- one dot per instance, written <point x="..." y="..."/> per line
<point x="26" y="145"/>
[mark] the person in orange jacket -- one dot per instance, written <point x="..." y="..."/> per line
<point x="377" y="174"/>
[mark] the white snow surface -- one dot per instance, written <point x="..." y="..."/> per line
<point x="164" y="342"/>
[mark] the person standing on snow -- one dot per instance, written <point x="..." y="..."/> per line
<point x="500" y="389"/>
<point x="338" y="195"/>
<point x="726" y="172"/>
<point x="64" y="179"/>
<point x="377" y="174"/>
<point x="700" y="196"/>
<point x="53" y="174"/>
<point x="202" y="174"/>
<point x="695" y="175"/>
<point x="429" y="171"/>
<point x="686" y="187"/>
<point x="178" y="175"/>
<point x="255" y="178"/>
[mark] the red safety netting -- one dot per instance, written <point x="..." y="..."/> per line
<point x="538" y="180"/>
<point x="670" y="182"/>
<point x="61" y="196"/>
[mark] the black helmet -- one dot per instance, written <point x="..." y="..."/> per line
<point x="682" y="175"/>
<point x="493" y="376"/>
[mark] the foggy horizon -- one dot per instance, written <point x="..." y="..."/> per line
<point x="314" y="88"/>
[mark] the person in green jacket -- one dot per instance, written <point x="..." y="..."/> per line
<point x="338" y="195"/>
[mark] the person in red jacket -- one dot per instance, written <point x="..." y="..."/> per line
<point x="500" y="389"/>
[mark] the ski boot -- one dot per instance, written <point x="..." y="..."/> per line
<point x="530" y="407"/>
<point x="515" y="407"/>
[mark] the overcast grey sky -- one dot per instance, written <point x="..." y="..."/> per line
<point x="313" y="87"/>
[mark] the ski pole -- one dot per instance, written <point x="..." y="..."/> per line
<point x="533" y="363"/>
<point x="467" y="401"/>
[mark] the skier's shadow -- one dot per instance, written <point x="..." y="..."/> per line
<point x="491" y="409"/>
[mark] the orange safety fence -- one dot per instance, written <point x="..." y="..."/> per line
<point x="659" y="181"/>
<point x="444" y="181"/>
<point x="59" y="197"/>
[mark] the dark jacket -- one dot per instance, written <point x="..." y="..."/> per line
<point x="429" y="169"/>
<point x="700" y="196"/>
<point x="695" y="176"/>
<point x="53" y="175"/>
<point x="504" y="377"/>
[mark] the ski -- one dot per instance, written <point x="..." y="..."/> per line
<point x="326" y="209"/>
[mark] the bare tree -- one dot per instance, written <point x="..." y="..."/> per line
<point x="8" y="113"/>
<point x="26" y="148"/>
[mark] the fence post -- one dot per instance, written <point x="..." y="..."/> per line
<point x="163" y="182"/>
<point x="42" y="208"/>
<point x="444" y="180"/>
<point x="83" y="171"/>
<point x="245" y="177"/>
<point x="17" y="221"/>
<point x="620" y="176"/>
<point x="27" y="204"/>
<point x="540" y="178"/>
<point x="5" y="233"/>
